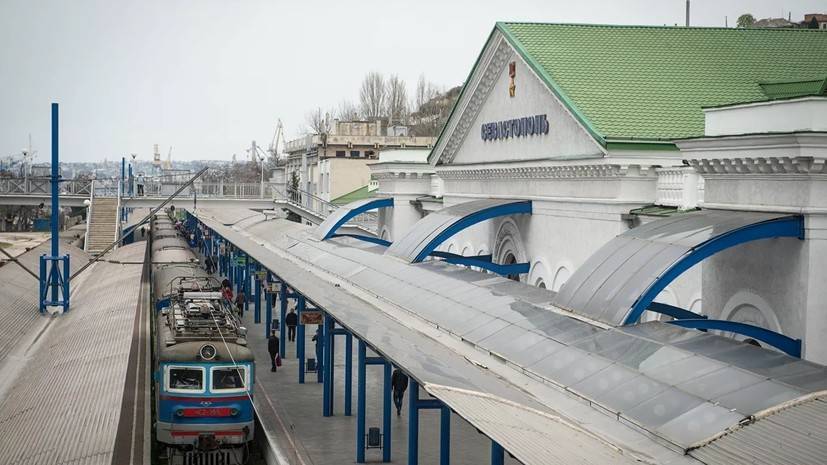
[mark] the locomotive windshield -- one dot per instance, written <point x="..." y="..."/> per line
<point x="228" y="378"/>
<point x="187" y="379"/>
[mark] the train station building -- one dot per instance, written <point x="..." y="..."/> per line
<point x="614" y="254"/>
<point x="606" y="128"/>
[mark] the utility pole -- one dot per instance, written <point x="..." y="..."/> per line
<point x="687" y="13"/>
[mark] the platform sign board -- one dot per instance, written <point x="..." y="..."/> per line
<point x="261" y="275"/>
<point x="311" y="317"/>
<point x="241" y="261"/>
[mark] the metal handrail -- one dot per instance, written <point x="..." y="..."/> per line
<point x="89" y="215"/>
<point x="321" y="207"/>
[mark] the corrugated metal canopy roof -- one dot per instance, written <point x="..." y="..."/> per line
<point x="437" y="226"/>
<point x="680" y="385"/>
<point x="611" y="281"/>
<point x="65" y="405"/>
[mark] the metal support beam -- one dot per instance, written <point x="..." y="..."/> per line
<point x="300" y="338"/>
<point x="268" y="310"/>
<point x="386" y="413"/>
<point x="497" y="453"/>
<point x="282" y="316"/>
<point x="247" y="293"/>
<point x="413" y="423"/>
<point x="444" y="436"/>
<point x="360" y="403"/>
<point x="348" y="373"/>
<point x="327" y="389"/>
<point x="257" y="303"/>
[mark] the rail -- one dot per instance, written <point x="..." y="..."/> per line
<point x="151" y="187"/>
<point x="89" y="215"/>
<point x="38" y="186"/>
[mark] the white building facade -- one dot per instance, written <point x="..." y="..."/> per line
<point x="523" y="129"/>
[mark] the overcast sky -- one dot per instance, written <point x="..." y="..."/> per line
<point x="209" y="76"/>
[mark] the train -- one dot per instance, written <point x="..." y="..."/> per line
<point x="203" y="370"/>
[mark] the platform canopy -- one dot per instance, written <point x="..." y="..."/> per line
<point x="345" y="213"/>
<point x="621" y="280"/>
<point x="430" y="232"/>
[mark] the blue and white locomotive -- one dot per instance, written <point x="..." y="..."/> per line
<point x="204" y="370"/>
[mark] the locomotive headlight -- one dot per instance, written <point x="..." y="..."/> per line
<point x="207" y="352"/>
<point x="234" y="412"/>
<point x="179" y="412"/>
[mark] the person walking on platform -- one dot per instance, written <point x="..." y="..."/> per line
<point x="273" y="348"/>
<point x="399" y="383"/>
<point x="227" y="291"/>
<point x="239" y="303"/>
<point x="319" y="340"/>
<point x="291" y="320"/>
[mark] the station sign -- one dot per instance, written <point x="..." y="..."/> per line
<point x="311" y="317"/>
<point x="518" y="127"/>
<point x="261" y="275"/>
<point x="241" y="261"/>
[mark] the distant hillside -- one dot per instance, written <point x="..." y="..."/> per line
<point x="432" y="115"/>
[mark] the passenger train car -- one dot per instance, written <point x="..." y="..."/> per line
<point x="204" y="370"/>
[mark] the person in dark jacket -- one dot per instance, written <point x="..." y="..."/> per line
<point x="399" y="383"/>
<point x="273" y="348"/>
<point x="291" y="320"/>
<point x="318" y="338"/>
<point x="239" y="302"/>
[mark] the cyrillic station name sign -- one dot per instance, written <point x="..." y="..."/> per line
<point x="517" y="127"/>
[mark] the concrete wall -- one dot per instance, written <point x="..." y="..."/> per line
<point x="779" y="283"/>
<point x="805" y="114"/>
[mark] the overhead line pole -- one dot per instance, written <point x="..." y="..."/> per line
<point x="146" y="218"/>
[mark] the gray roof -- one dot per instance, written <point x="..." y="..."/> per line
<point x="19" y="293"/>
<point x="65" y="405"/>
<point x="409" y="246"/>
<point x="609" y="283"/>
<point x="678" y="386"/>
<point x="796" y="435"/>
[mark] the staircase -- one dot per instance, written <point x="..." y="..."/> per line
<point x="102" y="228"/>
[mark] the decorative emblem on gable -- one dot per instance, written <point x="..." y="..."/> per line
<point x="512" y="73"/>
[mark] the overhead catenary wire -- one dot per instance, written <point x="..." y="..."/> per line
<point x="15" y="260"/>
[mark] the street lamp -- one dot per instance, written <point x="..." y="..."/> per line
<point x="261" y="186"/>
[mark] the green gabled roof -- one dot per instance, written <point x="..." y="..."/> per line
<point x="359" y="194"/>
<point x="643" y="83"/>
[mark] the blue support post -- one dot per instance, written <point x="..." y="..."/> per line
<point x="444" y="436"/>
<point x="300" y="338"/>
<point x="386" y="414"/>
<point x="257" y="305"/>
<point x="131" y="184"/>
<point x="348" y="373"/>
<point x="247" y="291"/>
<point x="282" y="316"/>
<point x="497" y="453"/>
<point x="122" y="213"/>
<point x="52" y="278"/>
<point x="360" y="403"/>
<point x="321" y="347"/>
<point x="413" y="423"/>
<point x="327" y="389"/>
<point x="268" y="309"/>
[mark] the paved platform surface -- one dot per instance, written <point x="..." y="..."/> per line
<point x="293" y="412"/>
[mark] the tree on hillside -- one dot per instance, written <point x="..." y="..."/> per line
<point x="425" y="91"/>
<point x="745" y="20"/>
<point x="396" y="100"/>
<point x="318" y="121"/>
<point x="347" y="111"/>
<point x="372" y="95"/>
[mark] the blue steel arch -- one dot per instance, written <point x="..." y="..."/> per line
<point x="511" y="208"/>
<point x="341" y="216"/>
<point x="787" y="226"/>
<point x="784" y="343"/>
